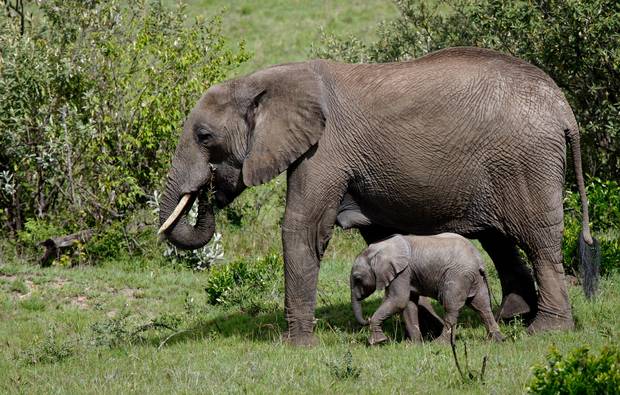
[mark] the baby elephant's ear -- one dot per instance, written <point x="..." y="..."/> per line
<point x="390" y="261"/>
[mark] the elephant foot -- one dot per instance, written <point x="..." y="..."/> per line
<point x="303" y="340"/>
<point x="513" y="305"/>
<point x="377" y="339"/>
<point x="415" y="338"/>
<point x="443" y="339"/>
<point x="300" y="332"/>
<point x="496" y="337"/>
<point x="445" y="336"/>
<point x="551" y="322"/>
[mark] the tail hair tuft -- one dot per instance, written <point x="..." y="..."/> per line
<point x="589" y="265"/>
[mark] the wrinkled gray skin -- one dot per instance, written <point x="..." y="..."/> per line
<point x="446" y="267"/>
<point x="463" y="140"/>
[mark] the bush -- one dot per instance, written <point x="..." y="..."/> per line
<point x="50" y="350"/>
<point x="92" y="95"/>
<point x="344" y="369"/>
<point x="576" y="42"/>
<point x="35" y="231"/>
<point x="579" y="372"/>
<point x="604" y="204"/>
<point x="125" y="329"/>
<point x="246" y="284"/>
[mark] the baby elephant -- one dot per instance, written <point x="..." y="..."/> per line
<point x="446" y="267"/>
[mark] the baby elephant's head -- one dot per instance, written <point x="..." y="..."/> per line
<point x="363" y="284"/>
<point x="375" y="268"/>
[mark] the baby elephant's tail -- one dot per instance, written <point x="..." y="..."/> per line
<point x="486" y="283"/>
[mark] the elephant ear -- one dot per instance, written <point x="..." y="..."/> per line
<point x="391" y="260"/>
<point x="287" y="119"/>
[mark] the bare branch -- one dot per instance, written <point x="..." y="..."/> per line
<point x="453" y="346"/>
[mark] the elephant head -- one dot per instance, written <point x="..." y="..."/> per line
<point x="376" y="268"/>
<point x="241" y="133"/>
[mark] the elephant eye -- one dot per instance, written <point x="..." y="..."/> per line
<point x="202" y="133"/>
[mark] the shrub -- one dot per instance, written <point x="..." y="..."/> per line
<point x="92" y="94"/>
<point x="48" y="351"/>
<point x="244" y="283"/>
<point x="35" y="231"/>
<point x="576" y="42"/>
<point x="344" y="369"/>
<point x="125" y="328"/>
<point x="579" y="372"/>
<point x="604" y="204"/>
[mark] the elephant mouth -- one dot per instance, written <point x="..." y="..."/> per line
<point x="182" y="208"/>
<point x="220" y="199"/>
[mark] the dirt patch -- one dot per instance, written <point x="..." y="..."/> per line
<point x="58" y="282"/>
<point x="130" y="293"/>
<point x="80" y="301"/>
<point x="21" y="291"/>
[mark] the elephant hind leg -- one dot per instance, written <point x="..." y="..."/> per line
<point x="518" y="289"/>
<point x="453" y="298"/>
<point x="412" y="323"/>
<point x="482" y="305"/>
<point x="544" y="249"/>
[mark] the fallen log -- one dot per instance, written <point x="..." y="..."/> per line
<point x="54" y="245"/>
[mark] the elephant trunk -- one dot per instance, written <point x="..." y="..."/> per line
<point x="173" y="217"/>
<point x="357" y="309"/>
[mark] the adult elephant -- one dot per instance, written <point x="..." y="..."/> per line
<point x="462" y="140"/>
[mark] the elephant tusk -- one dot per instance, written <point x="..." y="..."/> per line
<point x="177" y="211"/>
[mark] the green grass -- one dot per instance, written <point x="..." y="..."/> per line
<point x="280" y="31"/>
<point x="78" y="330"/>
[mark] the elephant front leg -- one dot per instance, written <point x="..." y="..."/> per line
<point x="304" y="242"/>
<point x="376" y="321"/>
<point x="301" y="272"/>
<point x="389" y="307"/>
<point x="312" y="199"/>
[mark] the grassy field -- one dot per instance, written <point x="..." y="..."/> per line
<point x="137" y="326"/>
<point x="124" y="328"/>
<point x="280" y="31"/>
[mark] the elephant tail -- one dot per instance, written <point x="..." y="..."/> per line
<point x="589" y="247"/>
<point x="483" y="273"/>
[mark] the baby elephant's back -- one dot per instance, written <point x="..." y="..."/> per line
<point x="446" y="257"/>
<point x="451" y="248"/>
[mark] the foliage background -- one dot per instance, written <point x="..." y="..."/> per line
<point x="92" y="96"/>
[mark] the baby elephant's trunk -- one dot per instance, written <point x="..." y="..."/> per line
<point x="357" y="309"/>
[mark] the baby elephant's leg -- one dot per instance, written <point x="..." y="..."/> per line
<point x="386" y="310"/>
<point x="395" y="301"/>
<point x="453" y="299"/>
<point x="412" y="324"/>
<point x="482" y="304"/>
